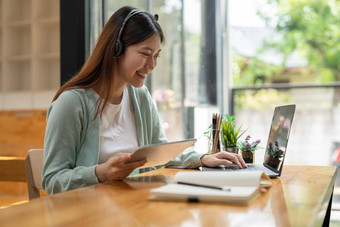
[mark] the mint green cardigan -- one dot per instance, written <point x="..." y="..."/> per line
<point x="72" y="138"/>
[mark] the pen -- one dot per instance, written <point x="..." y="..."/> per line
<point x="228" y="189"/>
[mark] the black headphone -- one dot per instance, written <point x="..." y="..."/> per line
<point x="119" y="47"/>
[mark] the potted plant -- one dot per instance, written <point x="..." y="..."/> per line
<point x="275" y="153"/>
<point x="230" y="133"/>
<point x="247" y="149"/>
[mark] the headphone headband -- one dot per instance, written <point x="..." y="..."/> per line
<point x="119" y="48"/>
<point x="133" y="12"/>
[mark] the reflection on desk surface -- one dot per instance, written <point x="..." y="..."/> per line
<point x="147" y="181"/>
<point x="144" y="179"/>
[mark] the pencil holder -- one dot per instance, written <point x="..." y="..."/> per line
<point x="215" y="144"/>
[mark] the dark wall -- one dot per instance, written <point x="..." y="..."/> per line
<point x="72" y="37"/>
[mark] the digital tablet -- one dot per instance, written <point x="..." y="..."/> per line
<point x="160" y="154"/>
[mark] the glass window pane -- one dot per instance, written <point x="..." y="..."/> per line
<point x="167" y="76"/>
<point x="186" y="72"/>
<point x="111" y="6"/>
<point x="277" y="42"/>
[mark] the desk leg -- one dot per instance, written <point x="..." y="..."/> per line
<point x="327" y="219"/>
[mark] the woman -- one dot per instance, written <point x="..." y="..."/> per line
<point x="104" y="113"/>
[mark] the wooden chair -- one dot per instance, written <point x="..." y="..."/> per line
<point x="34" y="166"/>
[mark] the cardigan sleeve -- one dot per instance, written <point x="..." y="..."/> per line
<point x="187" y="159"/>
<point x="63" y="137"/>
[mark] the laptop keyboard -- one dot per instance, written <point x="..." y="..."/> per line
<point x="251" y="168"/>
<point x="257" y="168"/>
<point x="235" y="167"/>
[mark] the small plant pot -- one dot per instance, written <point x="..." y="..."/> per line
<point x="248" y="157"/>
<point x="232" y="150"/>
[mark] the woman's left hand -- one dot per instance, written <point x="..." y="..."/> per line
<point x="223" y="158"/>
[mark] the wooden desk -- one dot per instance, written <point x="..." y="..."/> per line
<point x="299" y="198"/>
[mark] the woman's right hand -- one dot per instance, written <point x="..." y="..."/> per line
<point x="115" y="167"/>
<point x="223" y="158"/>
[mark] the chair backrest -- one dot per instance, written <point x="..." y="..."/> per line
<point x="34" y="166"/>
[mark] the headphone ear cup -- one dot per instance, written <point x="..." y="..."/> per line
<point x="118" y="48"/>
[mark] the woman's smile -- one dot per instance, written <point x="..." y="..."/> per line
<point x="142" y="75"/>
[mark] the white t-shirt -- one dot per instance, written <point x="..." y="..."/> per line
<point x="117" y="129"/>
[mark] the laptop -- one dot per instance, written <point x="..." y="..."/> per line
<point x="160" y="154"/>
<point x="278" y="137"/>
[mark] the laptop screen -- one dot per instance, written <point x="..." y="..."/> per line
<point x="278" y="136"/>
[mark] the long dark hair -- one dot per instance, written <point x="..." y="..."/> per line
<point x="98" y="69"/>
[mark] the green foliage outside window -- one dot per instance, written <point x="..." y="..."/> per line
<point x="309" y="28"/>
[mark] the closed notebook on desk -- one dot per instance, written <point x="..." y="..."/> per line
<point x="213" y="187"/>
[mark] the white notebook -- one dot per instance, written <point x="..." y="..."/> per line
<point x="213" y="187"/>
